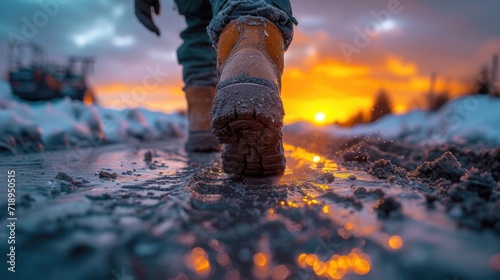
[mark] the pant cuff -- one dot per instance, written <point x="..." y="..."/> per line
<point x="245" y="10"/>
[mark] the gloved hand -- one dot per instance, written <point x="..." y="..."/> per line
<point x="144" y="15"/>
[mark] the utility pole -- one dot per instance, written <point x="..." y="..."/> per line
<point x="431" y="95"/>
<point x="432" y="84"/>
<point x="494" y="72"/>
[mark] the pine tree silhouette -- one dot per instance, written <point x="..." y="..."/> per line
<point x="434" y="102"/>
<point x="358" y="118"/>
<point x="484" y="84"/>
<point x="381" y="106"/>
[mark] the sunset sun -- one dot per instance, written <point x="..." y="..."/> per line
<point x="320" y="117"/>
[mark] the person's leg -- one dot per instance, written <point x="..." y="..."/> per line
<point x="196" y="54"/>
<point x="247" y="115"/>
<point x="198" y="59"/>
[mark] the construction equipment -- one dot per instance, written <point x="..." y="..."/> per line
<point x="39" y="80"/>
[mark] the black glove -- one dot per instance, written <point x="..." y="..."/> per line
<point x="144" y="15"/>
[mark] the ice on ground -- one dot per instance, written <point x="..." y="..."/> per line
<point x="468" y="120"/>
<point x="65" y="122"/>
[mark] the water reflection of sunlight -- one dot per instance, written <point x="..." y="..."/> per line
<point x="337" y="266"/>
<point x="395" y="242"/>
<point x="300" y="161"/>
<point x="197" y="260"/>
<point x="316" y="158"/>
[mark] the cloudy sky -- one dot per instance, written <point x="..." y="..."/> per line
<point x="331" y="67"/>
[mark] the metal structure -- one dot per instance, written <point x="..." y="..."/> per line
<point x="38" y="80"/>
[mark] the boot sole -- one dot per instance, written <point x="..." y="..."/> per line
<point x="247" y="118"/>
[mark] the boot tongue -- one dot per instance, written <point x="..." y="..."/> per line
<point x="251" y="32"/>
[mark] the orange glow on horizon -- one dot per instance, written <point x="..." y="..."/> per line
<point x="168" y="99"/>
<point x="317" y="89"/>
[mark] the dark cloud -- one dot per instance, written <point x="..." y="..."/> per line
<point x="105" y="29"/>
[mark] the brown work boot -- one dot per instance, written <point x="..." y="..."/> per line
<point x="199" y="99"/>
<point x="247" y="115"/>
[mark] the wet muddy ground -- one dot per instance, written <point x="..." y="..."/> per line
<point x="153" y="211"/>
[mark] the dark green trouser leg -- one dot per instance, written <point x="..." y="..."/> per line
<point x="196" y="54"/>
<point x="277" y="11"/>
<point x="284" y="5"/>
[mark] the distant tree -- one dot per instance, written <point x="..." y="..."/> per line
<point x="494" y="76"/>
<point x="484" y="84"/>
<point x="436" y="101"/>
<point x="381" y="106"/>
<point x="355" y="119"/>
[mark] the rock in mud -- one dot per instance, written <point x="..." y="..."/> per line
<point x="384" y="169"/>
<point x="107" y="175"/>
<point x="67" y="180"/>
<point x="481" y="183"/>
<point x="65" y="177"/>
<point x="388" y="208"/>
<point x="446" y="167"/>
<point x="325" y="178"/>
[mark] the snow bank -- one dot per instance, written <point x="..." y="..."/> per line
<point x="467" y="120"/>
<point x="67" y="122"/>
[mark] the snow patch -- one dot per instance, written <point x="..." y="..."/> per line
<point x="67" y="122"/>
<point x="468" y="120"/>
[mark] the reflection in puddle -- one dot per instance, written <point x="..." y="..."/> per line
<point x="197" y="261"/>
<point x="337" y="266"/>
<point x="395" y="242"/>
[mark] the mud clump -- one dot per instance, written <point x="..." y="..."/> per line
<point x="474" y="202"/>
<point x="384" y="169"/>
<point x="490" y="216"/>
<point x="446" y="167"/>
<point x="478" y="214"/>
<point x="363" y="193"/>
<point x="388" y="208"/>
<point x="107" y="175"/>
<point x="481" y="183"/>
<point x="325" y="178"/>
<point x="346" y="201"/>
<point x="355" y="156"/>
